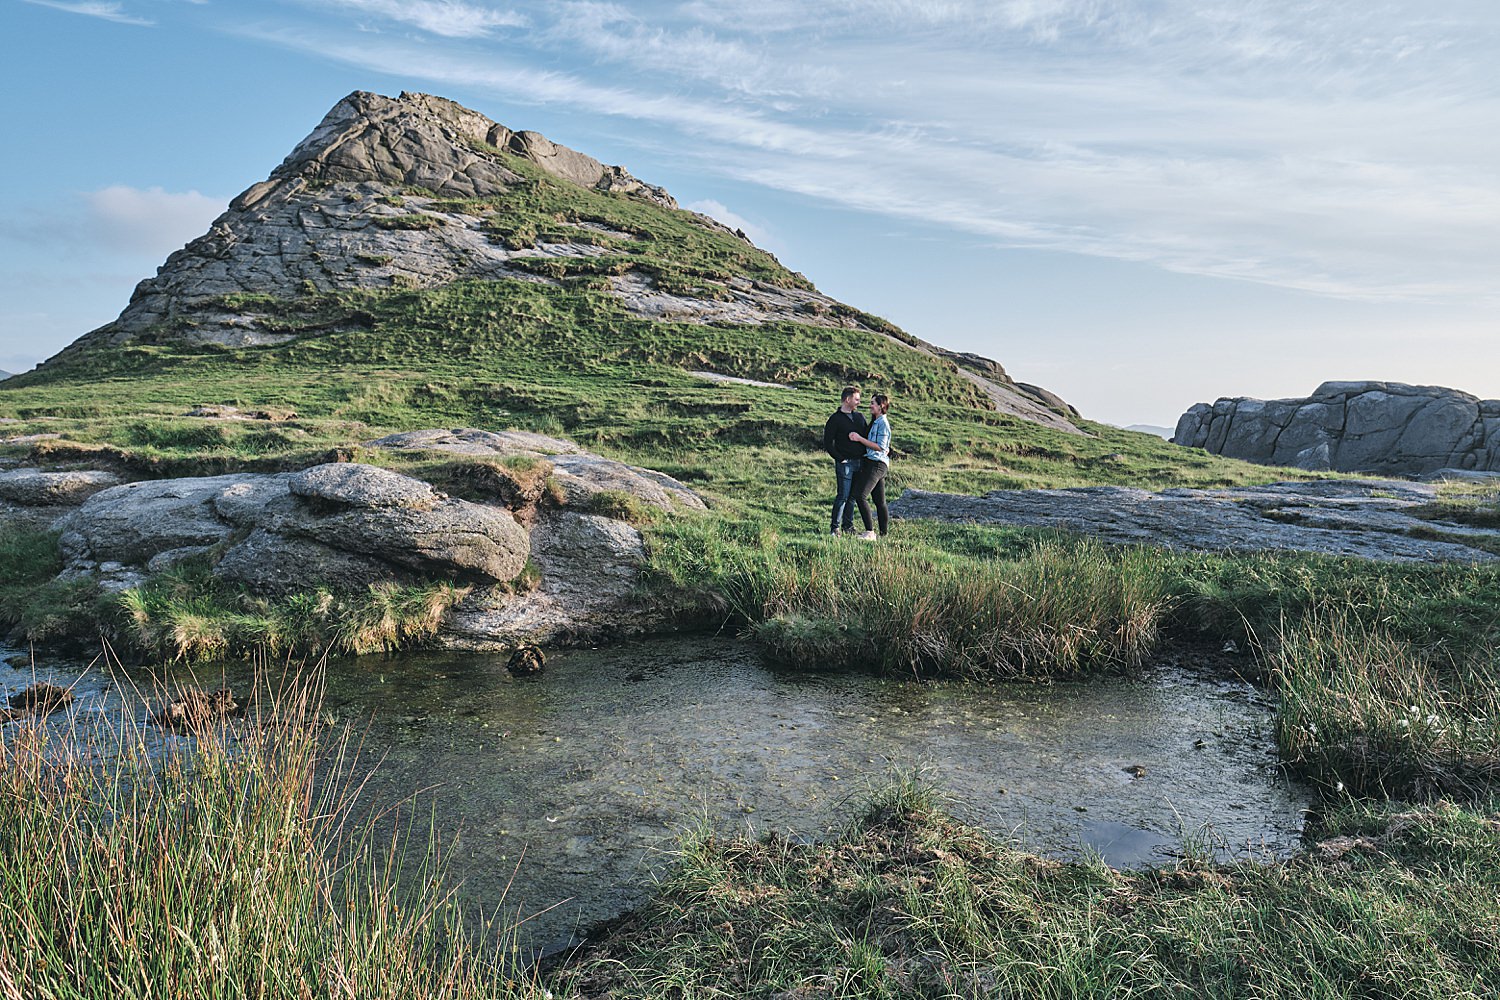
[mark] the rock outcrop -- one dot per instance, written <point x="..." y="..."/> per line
<point x="342" y="525"/>
<point x="1380" y="427"/>
<point x="1370" y="519"/>
<point x="543" y="566"/>
<point x="589" y="564"/>
<point x="370" y="199"/>
<point x="35" y="498"/>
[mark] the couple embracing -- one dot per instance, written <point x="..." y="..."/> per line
<point x="862" y="456"/>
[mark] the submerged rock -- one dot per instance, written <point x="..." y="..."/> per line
<point x="1371" y="519"/>
<point x="36" y="701"/>
<point x="526" y="661"/>
<point x="195" y="709"/>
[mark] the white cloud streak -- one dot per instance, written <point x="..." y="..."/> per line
<point x="150" y="221"/>
<point x="106" y="11"/>
<point x="445" y="18"/>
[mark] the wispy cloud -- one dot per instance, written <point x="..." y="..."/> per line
<point x="446" y="18"/>
<point x="148" y="221"/>
<point x="1311" y="144"/>
<point x="121" y="223"/>
<point x="759" y="235"/>
<point x="107" y="11"/>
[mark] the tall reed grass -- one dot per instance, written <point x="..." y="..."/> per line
<point x="1366" y="711"/>
<point x="181" y="615"/>
<point x="238" y="862"/>
<point x="1055" y="610"/>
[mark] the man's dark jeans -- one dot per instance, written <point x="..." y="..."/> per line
<point x="845" y="469"/>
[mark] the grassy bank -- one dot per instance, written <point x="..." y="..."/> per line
<point x="240" y="863"/>
<point x="910" y="903"/>
<point x="186" y="614"/>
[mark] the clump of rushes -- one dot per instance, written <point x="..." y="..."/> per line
<point x="234" y="864"/>
<point x="182" y="614"/>
<point x="1366" y="711"/>
<point x="1056" y="609"/>
<point x="913" y="904"/>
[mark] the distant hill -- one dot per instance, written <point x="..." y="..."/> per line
<point x="413" y="235"/>
<point x="1161" y="432"/>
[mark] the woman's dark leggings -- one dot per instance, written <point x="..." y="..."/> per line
<point x="871" y="482"/>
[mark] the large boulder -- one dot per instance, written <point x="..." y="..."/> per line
<point x="589" y="567"/>
<point x="1383" y="427"/>
<point x="551" y="572"/>
<point x="343" y="525"/>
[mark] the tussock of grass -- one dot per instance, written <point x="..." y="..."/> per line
<point x="1058" y="609"/>
<point x="34" y="605"/>
<point x="912" y="904"/>
<point x="237" y="864"/>
<point x="183" y="615"/>
<point x="1365" y="711"/>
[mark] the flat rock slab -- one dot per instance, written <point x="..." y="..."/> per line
<point x="473" y="441"/>
<point x="736" y="380"/>
<point x="1365" y="518"/>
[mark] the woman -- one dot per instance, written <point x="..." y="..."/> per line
<point x="877" y="462"/>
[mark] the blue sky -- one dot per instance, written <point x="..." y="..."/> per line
<point x="1138" y="204"/>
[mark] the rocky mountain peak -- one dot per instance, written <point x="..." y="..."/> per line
<point x="429" y="142"/>
<point x="417" y="192"/>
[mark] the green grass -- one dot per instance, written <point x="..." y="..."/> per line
<point x="910" y="903"/>
<point x="238" y="864"/>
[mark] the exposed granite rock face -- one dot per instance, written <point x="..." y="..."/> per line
<point x="1370" y="519"/>
<point x="1383" y="427"/>
<point x="348" y="525"/>
<point x="36" y="488"/>
<point x="342" y="525"/>
<point x="590" y="566"/>
<point x="339" y="212"/>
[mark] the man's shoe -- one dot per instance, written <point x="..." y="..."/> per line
<point x="869" y="536"/>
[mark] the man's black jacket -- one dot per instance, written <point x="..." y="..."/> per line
<point x="836" y="434"/>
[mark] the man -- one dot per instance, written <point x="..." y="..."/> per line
<point x="846" y="454"/>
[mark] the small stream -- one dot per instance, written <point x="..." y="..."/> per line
<point x="570" y="787"/>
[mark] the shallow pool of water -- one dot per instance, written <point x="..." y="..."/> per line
<point x="569" y="788"/>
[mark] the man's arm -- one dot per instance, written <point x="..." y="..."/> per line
<point x="830" y="436"/>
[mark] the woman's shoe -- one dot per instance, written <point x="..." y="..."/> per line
<point x="869" y="536"/>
